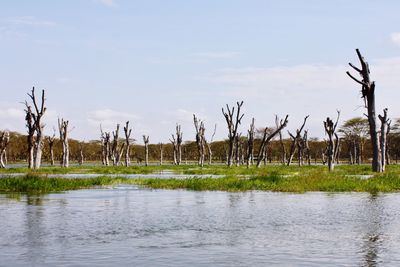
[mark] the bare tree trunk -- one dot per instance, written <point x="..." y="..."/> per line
<point x="63" y="129"/>
<point x="368" y="93"/>
<point x="161" y="153"/>
<point x="146" y="150"/>
<point x="250" y="144"/>
<point x="200" y="139"/>
<point x="127" y="132"/>
<point x="114" y="148"/>
<point x="210" y="154"/>
<point x="296" y="142"/>
<point x="4" y="141"/>
<point x="81" y="157"/>
<point x="387" y="143"/>
<point x="267" y="138"/>
<point x="34" y="124"/>
<point x="330" y="130"/>
<point x="282" y="145"/>
<point x="233" y="124"/>
<point x="237" y="152"/>
<point x="383" y="137"/>
<point x="50" y="141"/>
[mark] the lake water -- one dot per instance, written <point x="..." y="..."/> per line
<point x="130" y="226"/>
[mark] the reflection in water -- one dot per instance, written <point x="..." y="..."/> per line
<point x="130" y="226"/>
<point x="374" y="212"/>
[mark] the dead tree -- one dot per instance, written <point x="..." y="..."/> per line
<point x="127" y="143"/>
<point x="105" y="141"/>
<point x="177" y="142"/>
<point x="383" y="137"/>
<point x="161" y="153"/>
<point x="330" y="130"/>
<point x="233" y="123"/>
<point x="200" y="139"/>
<point x="306" y="147"/>
<point x="4" y="141"/>
<point x="146" y="150"/>
<point x="63" y="130"/>
<point x="116" y="150"/>
<point x="174" y="146"/>
<point x="297" y="141"/>
<point x="368" y="94"/>
<point x="267" y="138"/>
<point x="80" y="156"/>
<point x="35" y="125"/>
<point x="250" y="144"/>
<point x="209" y="145"/>
<point x="31" y="133"/>
<point x="237" y="148"/>
<point x="282" y="145"/>
<point x="387" y="157"/>
<point x="50" y="141"/>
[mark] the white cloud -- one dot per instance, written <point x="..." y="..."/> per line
<point x="110" y="3"/>
<point x="30" y="21"/>
<point x="217" y="55"/>
<point x="108" y="118"/>
<point x="395" y="37"/>
<point x="313" y="89"/>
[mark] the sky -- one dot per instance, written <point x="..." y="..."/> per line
<point x="157" y="62"/>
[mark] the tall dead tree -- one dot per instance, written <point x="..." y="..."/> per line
<point x="50" y="142"/>
<point x="35" y="125"/>
<point x="146" y="150"/>
<point x="31" y="133"/>
<point x="127" y="132"/>
<point x="306" y="147"/>
<point x="105" y="141"/>
<point x="80" y="156"/>
<point x="281" y="144"/>
<point x="174" y="146"/>
<point x="116" y="149"/>
<point x="4" y="141"/>
<point x="233" y="121"/>
<point x="250" y="144"/>
<point x="330" y="130"/>
<point x="161" y="146"/>
<point x="383" y="136"/>
<point x="63" y="130"/>
<point x="237" y="148"/>
<point x="297" y="141"/>
<point x="200" y="139"/>
<point x="368" y="94"/>
<point x="177" y="143"/>
<point x="267" y="137"/>
<point x="387" y="157"/>
<point x="209" y="144"/>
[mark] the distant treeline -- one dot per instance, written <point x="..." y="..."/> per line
<point x="354" y="148"/>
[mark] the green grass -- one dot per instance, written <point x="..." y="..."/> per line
<point x="268" y="178"/>
<point x="34" y="184"/>
<point x="389" y="182"/>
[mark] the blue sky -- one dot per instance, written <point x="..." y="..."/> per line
<point x="157" y="62"/>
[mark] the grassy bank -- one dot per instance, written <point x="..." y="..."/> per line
<point x="277" y="178"/>
<point x="34" y="184"/>
<point x="389" y="182"/>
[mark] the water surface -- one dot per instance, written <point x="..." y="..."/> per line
<point x="130" y="226"/>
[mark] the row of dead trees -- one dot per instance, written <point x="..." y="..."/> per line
<point x="113" y="150"/>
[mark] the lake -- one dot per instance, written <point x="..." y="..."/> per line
<point x="130" y="226"/>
